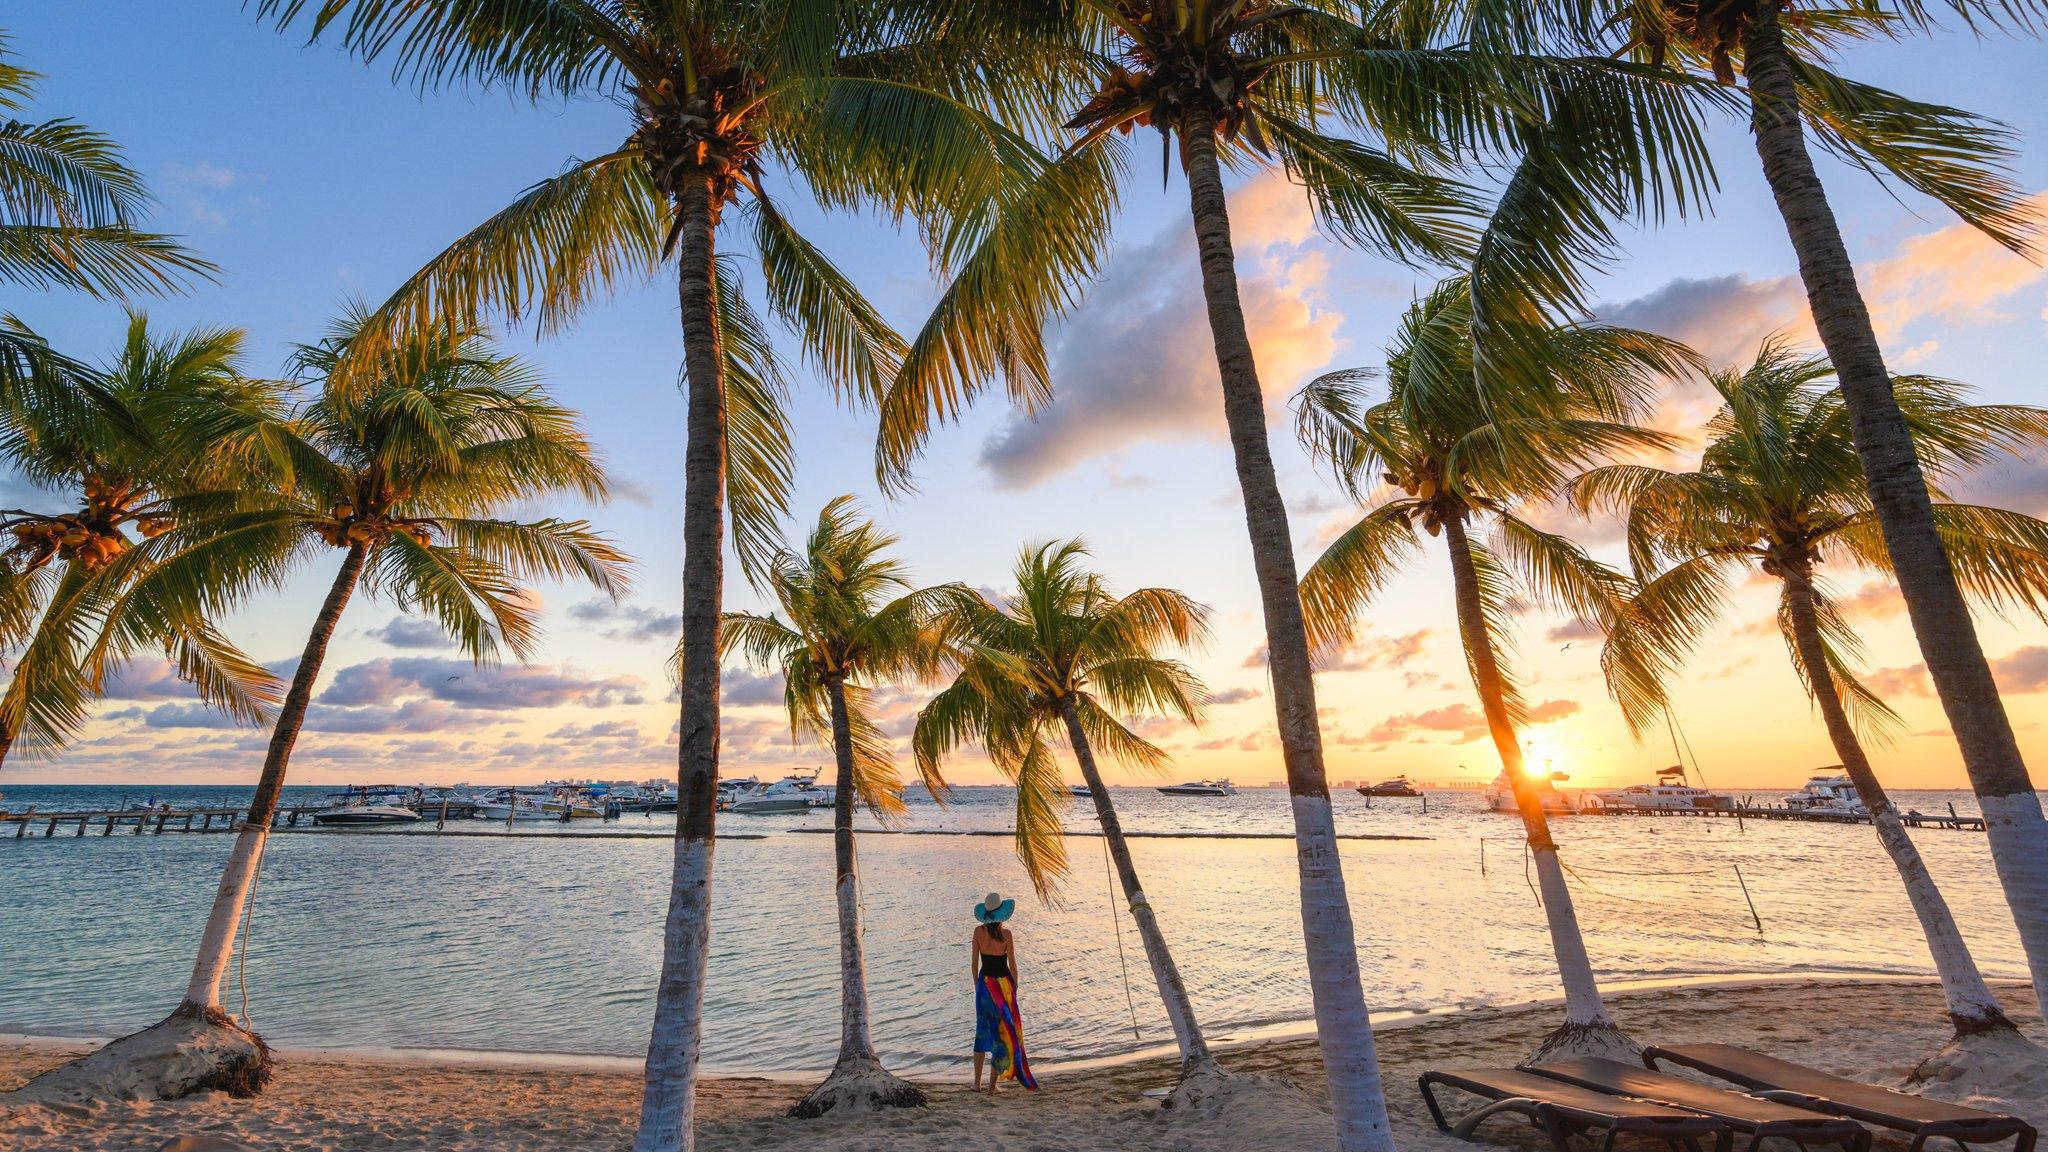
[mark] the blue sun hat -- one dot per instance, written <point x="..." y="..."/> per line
<point x="993" y="909"/>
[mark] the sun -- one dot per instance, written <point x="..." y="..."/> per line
<point x="1542" y="763"/>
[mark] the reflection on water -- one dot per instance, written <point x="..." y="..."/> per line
<point x="553" y="944"/>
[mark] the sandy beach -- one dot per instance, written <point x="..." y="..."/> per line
<point x="1876" y="1031"/>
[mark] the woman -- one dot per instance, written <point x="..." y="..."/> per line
<point x="998" y="1029"/>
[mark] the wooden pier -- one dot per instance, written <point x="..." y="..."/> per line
<point x="157" y="821"/>
<point x="1809" y="815"/>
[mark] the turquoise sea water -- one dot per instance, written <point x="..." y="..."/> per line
<point x="516" y="941"/>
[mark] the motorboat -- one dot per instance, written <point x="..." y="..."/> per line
<point x="577" y="799"/>
<point x="361" y="807"/>
<point x="731" y="790"/>
<point x="1830" y="793"/>
<point x="1398" y="786"/>
<point x="787" y="795"/>
<point x="1080" y="791"/>
<point x="1201" y="788"/>
<point x="1500" y="795"/>
<point x="641" y="798"/>
<point x="532" y="804"/>
<point x="1670" y="792"/>
<point x="441" y="803"/>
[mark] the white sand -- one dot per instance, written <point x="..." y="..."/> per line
<point x="1876" y="1031"/>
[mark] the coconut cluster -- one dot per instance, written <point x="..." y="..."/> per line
<point x="1175" y="69"/>
<point x="690" y="130"/>
<point x="91" y="537"/>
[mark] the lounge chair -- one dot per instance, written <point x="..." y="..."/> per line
<point x="1562" y="1109"/>
<point x="1760" y="1119"/>
<point x="1782" y="1080"/>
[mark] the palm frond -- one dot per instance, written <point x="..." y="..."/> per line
<point x="1018" y="263"/>
<point x="760" y="464"/>
<point x="1040" y="837"/>
<point x="844" y="337"/>
<point x="1963" y="160"/>
<point x="1352" y="570"/>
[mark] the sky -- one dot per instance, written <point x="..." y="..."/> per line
<point x="313" y="181"/>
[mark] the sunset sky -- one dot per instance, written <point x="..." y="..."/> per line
<point x="312" y="180"/>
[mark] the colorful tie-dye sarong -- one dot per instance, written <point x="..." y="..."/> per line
<point x="999" y="1030"/>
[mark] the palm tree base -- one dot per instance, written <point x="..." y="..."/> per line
<point x="1199" y="1085"/>
<point x="859" y="1084"/>
<point x="192" y="1050"/>
<point x="1998" y="1062"/>
<point x="1575" y="1041"/>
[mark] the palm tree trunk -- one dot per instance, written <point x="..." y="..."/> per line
<point x="668" y="1104"/>
<point x="1583" y="1009"/>
<point x="854" y="1040"/>
<point x="217" y="945"/>
<point x="1180" y="1011"/>
<point x="1971" y="1005"/>
<point x="857" y="1081"/>
<point x="1343" y="1026"/>
<point x="1941" y="620"/>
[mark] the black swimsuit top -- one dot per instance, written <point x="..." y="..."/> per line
<point x="995" y="964"/>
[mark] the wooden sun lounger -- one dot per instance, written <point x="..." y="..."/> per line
<point x="1562" y="1109"/>
<point x="1782" y="1080"/>
<point x="1760" y="1119"/>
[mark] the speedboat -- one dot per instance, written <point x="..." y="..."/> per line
<point x="1080" y="791"/>
<point x="731" y="790"/>
<point x="1500" y="795"/>
<point x="1201" y="788"/>
<point x="1830" y="793"/>
<point x="1669" y="792"/>
<point x="640" y="798"/>
<point x="1398" y="786"/>
<point x="516" y="804"/>
<point x="576" y="800"/>
<point x="358" y="807"/>
<point x="787" y="795"/>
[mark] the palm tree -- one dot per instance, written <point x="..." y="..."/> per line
<point x="1065" y="657"/>
<point x="403" y="475"/>
<point x="1779" y="488"/>
<point x="61" y="571"/>
<point x="1772" y="56"/>
<point x="1360" y="122"/>
<point x="853" y="622"/>
<point x="1457" y="449"/>
<point x="850" y="100"/>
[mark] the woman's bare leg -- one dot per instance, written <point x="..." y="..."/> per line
<point x="978" y="1057"/>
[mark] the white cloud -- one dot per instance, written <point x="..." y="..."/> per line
<point x="1137" y="363"/>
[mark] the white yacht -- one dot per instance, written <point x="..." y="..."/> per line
<point x="1671" y="791"/>
<point x="1828" y="792"/>
<point x="358" y="807"/>
<point x="732" y="789"/>
<point x="1500" y="795"/>
<point x="1201" y="788"/>
<point x="789" y="794"/>
<point x="513" y="804"/>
